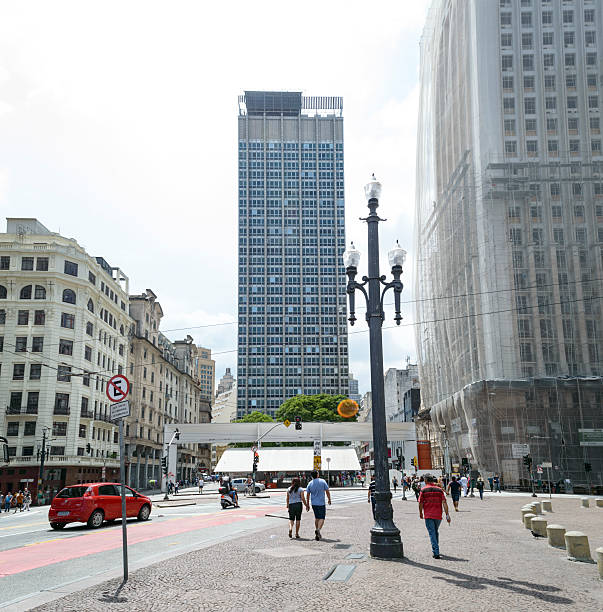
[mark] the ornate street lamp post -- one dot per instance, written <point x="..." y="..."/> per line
<point x="385" y="536"/>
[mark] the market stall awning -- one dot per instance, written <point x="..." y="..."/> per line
<point x="292" y="459"/>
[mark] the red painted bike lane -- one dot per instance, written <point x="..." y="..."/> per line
<point x="17" y="560"/>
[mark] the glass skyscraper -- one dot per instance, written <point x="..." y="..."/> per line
<point x="292" y="335"/>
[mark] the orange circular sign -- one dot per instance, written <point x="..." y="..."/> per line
<point x="347" y="408"/>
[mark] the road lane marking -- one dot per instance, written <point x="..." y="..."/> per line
<point x="26" y="525"/>
<point x="49" y="553"/>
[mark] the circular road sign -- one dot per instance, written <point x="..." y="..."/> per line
<point x="118" y="388"/>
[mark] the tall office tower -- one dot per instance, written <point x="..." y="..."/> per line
<point x="509" y="230"/>
<point x="292" y="327"/>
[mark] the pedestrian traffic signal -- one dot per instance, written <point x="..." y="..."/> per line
<point x="164" y="465"/>
<point x="402" y="462"/>
<point x="464" y="461"/>
<point x="527" y="460"/>
<point x="298" y="423"/>
<point x="256" y="460"/>
<point x="588" y="467"/>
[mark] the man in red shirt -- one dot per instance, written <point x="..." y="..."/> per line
<point x="431" y="501"/>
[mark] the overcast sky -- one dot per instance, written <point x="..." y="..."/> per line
<point x="118" y="128"/>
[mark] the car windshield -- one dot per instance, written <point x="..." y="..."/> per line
<point x="68" y="492"/>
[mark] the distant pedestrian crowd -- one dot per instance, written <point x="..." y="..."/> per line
<point x="19" y="501"/>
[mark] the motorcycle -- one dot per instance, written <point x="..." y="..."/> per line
<point x="226" y="499"/>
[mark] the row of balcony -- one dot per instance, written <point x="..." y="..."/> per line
<point x="58" y="410"/>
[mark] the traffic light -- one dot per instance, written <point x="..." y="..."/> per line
<point x="414" y="462"/>
<point x="588" y="467"/>
<point x="527" y="461"/>
<point x="465" y="461"/>
<point x="256" y="460"/>
<point x="164" y="465"/>
<point x="88" y="447"/>
<point x="402" y="462"/>
<point x="298" y="423"/>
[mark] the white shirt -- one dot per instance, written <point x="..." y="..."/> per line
<point x="464" y="481"/>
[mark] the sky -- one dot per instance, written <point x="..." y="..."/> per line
<point x="118" y="127"/>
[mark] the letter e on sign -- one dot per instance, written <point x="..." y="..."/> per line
<point x="118" y="388"/>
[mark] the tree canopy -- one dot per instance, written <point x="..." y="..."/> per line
<point x="311" y="408"/>
<point x="256" y="417"/>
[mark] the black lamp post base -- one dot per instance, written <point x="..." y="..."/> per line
<point x="386" y="545"/>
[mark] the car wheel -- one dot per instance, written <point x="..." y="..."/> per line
<point x="144" y="513"/>
<point x="96" y="519"/>
<point x="257" y="489"/>
<point x="57" y="526"/>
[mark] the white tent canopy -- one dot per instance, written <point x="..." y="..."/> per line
<point x="292" y="459"/>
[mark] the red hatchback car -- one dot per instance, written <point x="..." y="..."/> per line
<point x="94" y="503"/>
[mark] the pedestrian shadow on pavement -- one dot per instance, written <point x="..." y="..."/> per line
<point x="468" y="581"/>
<point x="451" y="558"/>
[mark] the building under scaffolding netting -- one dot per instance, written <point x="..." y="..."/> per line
<point x="509" y="241"/>
<point x="554" y="417"/>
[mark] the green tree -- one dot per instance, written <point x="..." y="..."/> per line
<point x="311" y="408"/>
<point x="256" y="417"/>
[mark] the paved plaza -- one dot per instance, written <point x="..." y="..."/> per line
<point x="489" y="560"/>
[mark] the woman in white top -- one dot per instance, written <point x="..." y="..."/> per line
<point x="296" y="499"/>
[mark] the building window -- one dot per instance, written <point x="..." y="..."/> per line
<point x="69" y="296"/>
<point x="532" y="147"/>
<point x="18" y="371"/>
<point x="590" y="37"/>
<point x="16" y="398"/>
<point x="90" y="305"/>
<point x="547" y="39"/>
<point x="505" y="19"/>
<point x="61" y="403"/>
<point x="37" y="345"/>
<point x="82" y="432"/>
<point x="65" y="347"/>
<point x="27" y="263"/>
<point x="4" y="262"/>
<point x="593" y="101"/>
<point x="3" y="292"/>
<point x="570" y="60"/>
<point x="33" y="398"/>
<point x="506" y="40"/>
<point x="526" y="20"/>
<point x="509" y="127"/>
<point x="67" y="320"/>
<point x="57" y="450"/>
<point x="510" y="147"/>
<point x="30" y="428"/>
<point x="529" y="105"/>
<point x="89" y="329"/>
<point x="39" y="293"/>
<point x="42" y="264"/>
<point x="88" y="353"/>
<point x="70" y="268"/>
<point x="21" y="344"/>
<point x="25" y="293"/>
<point x="92" y="278"/>
<point x="23" y="317"/>
<point x="12" y="428"/>
<point x="64" y="373"/>
<point x="507" y="63"/>
<point x="35" y="371"/>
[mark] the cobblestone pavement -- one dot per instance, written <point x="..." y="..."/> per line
<point x="488" y="561"/>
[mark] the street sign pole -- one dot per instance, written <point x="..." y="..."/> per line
<point x="122" y="469"/>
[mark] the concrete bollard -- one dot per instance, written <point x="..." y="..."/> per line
<point x="525" y="511"/>
<point x="577" y="546"/>
<point x="536" y="507"/>
<point x="547" y="505"/>
<point x="527" y="520"/>
<point x="599" y="502"/>
<point x="599" y="555"/>
<point x="585" y="502"/>
<point x="556" y="535"/>
<point x="538" y="526"/>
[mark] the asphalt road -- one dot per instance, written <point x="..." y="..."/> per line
<point x="36" y="559"/>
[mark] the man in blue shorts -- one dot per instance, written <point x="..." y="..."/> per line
<point x="316" y="490"/>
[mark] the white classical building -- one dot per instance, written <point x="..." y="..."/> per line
<point x="63" y="333"/>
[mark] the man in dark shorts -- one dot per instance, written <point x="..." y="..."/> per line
<point x="315" y="495"/>
<point x="371" y="495"/>
<point x="431" y="502"/>
<point x="454" y="488"/>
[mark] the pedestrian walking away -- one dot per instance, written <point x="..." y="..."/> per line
<point x="201" y="485"/>
<point x="480" y="487"/>
<point x="454" y="488"/>
<point x="395" y="483"/>
<point x="464" y="482"/>
<point x="496" y="483"/>
<point x="296" y="499"/>
<point x="315" y="495"/>
<point x="431" y="502"/>
<point x="371" y="495"/>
